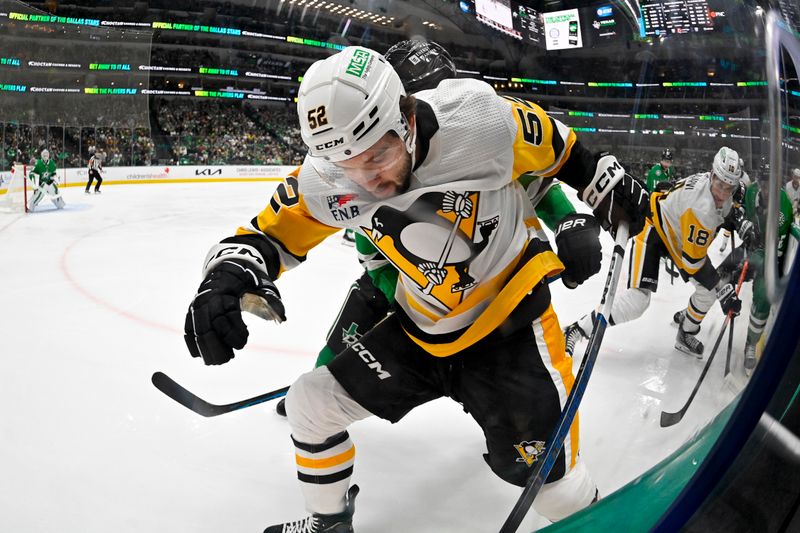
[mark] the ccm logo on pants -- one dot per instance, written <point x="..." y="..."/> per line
<point x="368" y="358"/>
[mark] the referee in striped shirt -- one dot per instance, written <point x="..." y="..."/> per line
<point x="95" y="166"/>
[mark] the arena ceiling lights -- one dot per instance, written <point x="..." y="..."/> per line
<point x="344" y="11"/>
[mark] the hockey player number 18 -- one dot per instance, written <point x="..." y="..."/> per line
<point x="701" y="239"/>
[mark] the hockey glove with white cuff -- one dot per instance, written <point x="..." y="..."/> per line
<point x="235" y="276"/>
<point x="615" y="196"/>
<point x="579" y="248"/>
<point x="726" y="294"/>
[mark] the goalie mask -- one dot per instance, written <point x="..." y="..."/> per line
<point x="346" y="104"/>
<point x="45" y="155"/>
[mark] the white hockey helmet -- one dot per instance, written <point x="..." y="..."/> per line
<point x="347" y="102"/>
<point x="727" y="166"/>
<point x="46" y="155"/>
<point x="796" y="174"/>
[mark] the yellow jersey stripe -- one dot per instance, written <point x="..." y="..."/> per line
<point x="543" y="264"/>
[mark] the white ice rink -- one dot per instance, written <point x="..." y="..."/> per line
<point x="93" y="300"/>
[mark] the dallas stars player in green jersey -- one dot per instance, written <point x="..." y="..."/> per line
<point x="755" y="210"/>
<point x="43" y="181"/>
<point x="661" y="171"/>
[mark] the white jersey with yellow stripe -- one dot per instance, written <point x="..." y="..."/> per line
<point x="686" y="218"/>
<point x="458" y="234"/>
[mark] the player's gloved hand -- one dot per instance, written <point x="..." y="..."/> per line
<point x="747" y="233"/>
<point x="214" y="325"/>
<point x="579" y="248"/>
<point x="738" y="194"/>
<point x="616" y="196"/>
<point x="730" y="266"/>
<point x="730" y="303"/>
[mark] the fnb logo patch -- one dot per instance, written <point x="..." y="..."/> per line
<point x="358" y="63"/>
<point x="336" y="204"/>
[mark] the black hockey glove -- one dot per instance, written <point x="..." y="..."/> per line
<point x="579" y="248"/>
<point x="214" y="325"/>
<point x="736" y="220"/>
<point x="616" y="197"/>
<point x="726" y="294"/>
<point x="731" y="267"/>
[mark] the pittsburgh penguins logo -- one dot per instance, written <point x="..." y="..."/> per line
<point x="434" y="241"/>
<point x="529" y="451"/>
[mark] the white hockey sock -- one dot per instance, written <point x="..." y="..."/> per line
<point x="324" y="471"/>
<point x="699" y="304"/>
<point x="319" y="410"/>
<point x="568" y="495"/>
<point x="629" y="306"/>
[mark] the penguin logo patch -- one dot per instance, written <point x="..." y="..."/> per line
<point x="434" y="241"/>
<point x="529" y="451"/>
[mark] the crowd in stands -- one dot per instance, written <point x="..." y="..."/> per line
<point x="216" y="133"/>
<point x="219" y="132"/>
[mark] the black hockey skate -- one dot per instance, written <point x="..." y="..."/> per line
<point x="281" y="407"/>
<point x="688" y="343"/>
<point x="572" y="334"/>
<point x="322" y="523"/>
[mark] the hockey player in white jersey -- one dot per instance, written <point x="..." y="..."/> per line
<point x="43" y="181"/>
<point x="431" y="180"/>
<point x="682" y="224"/>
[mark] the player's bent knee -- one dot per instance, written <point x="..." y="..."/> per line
<point x="318" y="407"/>
<point x="568" y="495"/>
<point x="510" y="471"/>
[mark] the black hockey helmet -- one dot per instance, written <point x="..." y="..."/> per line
<point x="666" y="155"/>
<point x="420" y="64"/>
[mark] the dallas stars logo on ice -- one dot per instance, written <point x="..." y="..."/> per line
<point x="529" y="451"/>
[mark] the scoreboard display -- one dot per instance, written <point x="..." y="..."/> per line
<point x="667" y="17"/>
<point x="512" y="18"/>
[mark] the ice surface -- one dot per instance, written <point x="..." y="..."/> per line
<point x="93" y="301"/>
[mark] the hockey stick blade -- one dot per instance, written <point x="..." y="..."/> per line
<point x="171" y="388"/>
<point x="555" y="441"/>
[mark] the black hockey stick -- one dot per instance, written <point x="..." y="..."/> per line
<point x="547" y="459"/>
<point x="670" y="419"/>
<point x="730" y="348"/>
<point x="168" y="386"/>
<point x="730" y="331"/>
